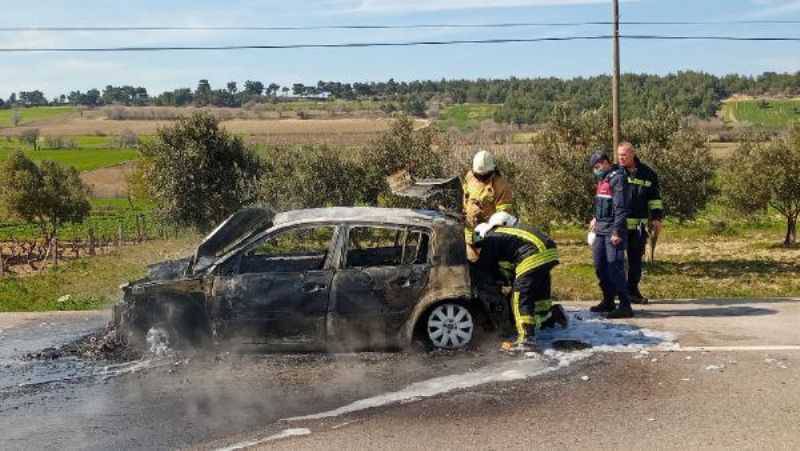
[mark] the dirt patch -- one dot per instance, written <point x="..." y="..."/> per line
<point x="297" y="127"/>
<point x="110" y="182"/>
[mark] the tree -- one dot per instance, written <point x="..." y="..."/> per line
<point x="232" y="88"/>
<point x="31" y="137"/>
<point x="312" y="176"/>
<point x="272" y="89"/>
<point x="766" y="174"/>
<point x="253" y="88"/>
<point x="32" y="98"/>
<point x="415" y="106"/>
<point x="49" y="196"/>
<point x="557" y="183"/>
<point x="400" y="148"/>
<point x="202" y="96"/>
<point x="198" y="173"/>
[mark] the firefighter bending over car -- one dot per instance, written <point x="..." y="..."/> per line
<point x="526" y="256"/>
<point x="486" y="192"/>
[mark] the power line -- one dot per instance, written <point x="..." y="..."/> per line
<point x="394" y="27"/>
<point x="400" y="44"/>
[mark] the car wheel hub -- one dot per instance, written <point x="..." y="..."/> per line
<point x="450" y="326"/>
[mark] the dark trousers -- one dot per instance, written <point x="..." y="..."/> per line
<point x="609" y="265"/>
<point x="531" y="302"/>
<point x="637" y="246"/>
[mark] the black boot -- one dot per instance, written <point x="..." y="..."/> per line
<point x="636" y="296"/>
<point x="606" y="306"/>
<point x="558" y="317"/>
<point x="621" y="312"/>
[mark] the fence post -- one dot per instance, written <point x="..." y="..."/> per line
<point x="54" y="244"/>
<point x="119" y="235"/>
<point x="2" y="263"/>
<point x="91" y="242"/>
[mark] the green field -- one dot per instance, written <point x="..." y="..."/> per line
<point x="770" y="113"/>
<point x="33" y="114"/>
<point x="80" y="159"/>
<point x="91" y="152"/>
<point x="467" y="116"/>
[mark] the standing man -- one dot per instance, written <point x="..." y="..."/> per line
<point x="611" y="212"/>
<point x="530" y="255"/>
<point x="647" y="212"/>
<point x="486" y="194"/>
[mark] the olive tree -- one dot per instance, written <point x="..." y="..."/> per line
<point x="49" y="195"/>
<point x="198" y="174"/>
<point x="559" y="184"/>
<point x="766" y="174"/>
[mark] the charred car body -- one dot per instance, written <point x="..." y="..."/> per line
<point x="334" y="278"/>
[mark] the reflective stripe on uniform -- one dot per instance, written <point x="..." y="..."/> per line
<point x="524" y="234"/>
<point x="536" y="260"/>
<point x="469" y="235"/>
<point x="634" y="223"/>
<point x="657" y="204"/>
<point x="640" y="182"/>
<point x="520" y="320"/>
<point x="508" y="208"/>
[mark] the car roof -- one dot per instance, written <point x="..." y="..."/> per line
<point x="399" y="216"/>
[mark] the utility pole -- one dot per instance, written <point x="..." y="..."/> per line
<point x="615" y="81"/>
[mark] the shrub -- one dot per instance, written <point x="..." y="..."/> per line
<point x="48" y="195"/>
<point x="198" y="174"/>
<point x="126" y="140"/>
<point x="30" y="137"/>
<point x="766" y="174"/>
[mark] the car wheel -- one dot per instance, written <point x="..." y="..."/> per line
<point x="450" y="325"/>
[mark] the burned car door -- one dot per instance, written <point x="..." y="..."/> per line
<point x="384" y="270"/>
<point x="279" y="290"/>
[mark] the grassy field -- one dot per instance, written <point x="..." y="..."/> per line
<point x="771" y="113"/>
<point x="465" y="117"/>
<point x="34" y="114"/>
<point x="80" y="159"/>
<point x="88" y="283"/>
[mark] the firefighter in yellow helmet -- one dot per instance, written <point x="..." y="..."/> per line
<point x="487" y="198"/>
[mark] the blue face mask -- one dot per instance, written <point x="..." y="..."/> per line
<point x="599" y="173"/>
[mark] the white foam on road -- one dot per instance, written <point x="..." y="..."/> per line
<point x="295" y="432"/>
<point x="602" y="335"/>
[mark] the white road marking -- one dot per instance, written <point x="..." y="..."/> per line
<point x="295" y="432"/>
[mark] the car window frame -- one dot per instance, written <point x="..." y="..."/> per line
<point x="406" y="231"/>
<point x="330" y="257"/>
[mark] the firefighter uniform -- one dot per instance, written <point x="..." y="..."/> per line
<point x="530" y="255"/>
<point x="482" y="199"/>
<point x="645" y="204"/>
<point x="611" y="212"/>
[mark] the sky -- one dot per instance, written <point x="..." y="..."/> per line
<point x="57" y="73"/>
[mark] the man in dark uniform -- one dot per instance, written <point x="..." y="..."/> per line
<point x="611" y="212"/>
<point x="647" y="213"/>
<point x="526" y="255"/>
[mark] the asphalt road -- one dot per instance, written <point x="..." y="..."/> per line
<point x="731" y="385"/>
<point x="731" y="382"/>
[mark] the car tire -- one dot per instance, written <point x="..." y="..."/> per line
<point x="449" y="325"/>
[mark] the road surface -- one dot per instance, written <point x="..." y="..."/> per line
<point x="710" y="374"/>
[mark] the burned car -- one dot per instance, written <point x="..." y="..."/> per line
<point x="331" y="278"/>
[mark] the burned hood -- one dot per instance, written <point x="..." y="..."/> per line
<point x="168" y="270"/>
<point x="237" y="228"/>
